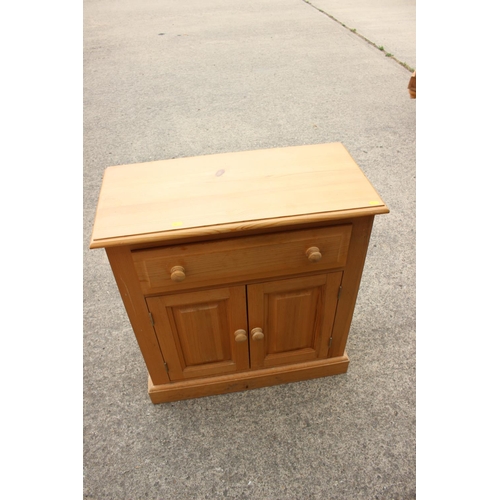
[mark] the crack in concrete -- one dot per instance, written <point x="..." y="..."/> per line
<point x="354" y="31"/>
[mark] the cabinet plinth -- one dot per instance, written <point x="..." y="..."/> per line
<point x="238" y="270"/>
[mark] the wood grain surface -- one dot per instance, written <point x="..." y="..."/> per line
<point x="230" y="192"/>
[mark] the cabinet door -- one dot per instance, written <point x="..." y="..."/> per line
<point x="202" y="333"/>
<point x="291" y="321"/>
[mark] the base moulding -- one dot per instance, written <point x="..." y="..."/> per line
<point x="248" y="380"/>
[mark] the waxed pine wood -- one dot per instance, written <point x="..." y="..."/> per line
<point x="221" y="262"/>
<point x="121" y="264"/>
<point x="196" y="331"/>
<point x="237" y="191"/>
<point x="240" y="270"/>
<point x="242" y="381"/>
<point x="296" y="317"/>
<point x="362" y="228"/>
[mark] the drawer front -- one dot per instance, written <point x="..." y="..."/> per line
<point x="195" y="265"/>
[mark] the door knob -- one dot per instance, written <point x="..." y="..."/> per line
<point x="313" y="254"/>
<point x="240" y="335"/>
<point x="257" y="334"/>
<point x="177" y="273"/>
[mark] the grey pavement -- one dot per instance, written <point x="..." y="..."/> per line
<point x="166" y="79"/>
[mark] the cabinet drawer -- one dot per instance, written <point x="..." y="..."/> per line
<point x="181" y="267"/>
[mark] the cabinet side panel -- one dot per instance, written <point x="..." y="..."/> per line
<point x="123" y="269"/>
<point x="360" y="237"/>
<point x="333" y="281"/>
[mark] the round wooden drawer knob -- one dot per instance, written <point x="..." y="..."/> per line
<point x="240" y="335"/>
<point x="177" y="273"/>
<point x="257" y="334"/>
<point x="313" y="254"/>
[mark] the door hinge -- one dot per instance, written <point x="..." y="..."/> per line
<point x="166" y="367"/>
<point x="151" y="319"/>
<point x="330" y="342"/>
<point x="340" y="291"/>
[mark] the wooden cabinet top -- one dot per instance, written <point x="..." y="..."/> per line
<point x="230" y="192"/>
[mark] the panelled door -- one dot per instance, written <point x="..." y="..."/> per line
<point x="289" y="321"/>
<point x="202" y="333"/>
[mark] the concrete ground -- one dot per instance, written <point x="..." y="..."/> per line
<point x="166" y="79"/>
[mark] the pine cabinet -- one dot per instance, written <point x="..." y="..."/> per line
<point x="238" y="270"/>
